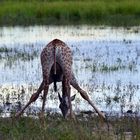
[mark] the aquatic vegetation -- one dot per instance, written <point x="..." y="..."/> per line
<point x="12" y="54"/>
<point x="5" y="50"/>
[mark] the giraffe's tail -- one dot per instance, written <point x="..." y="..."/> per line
<point x="55" y="86"/>
<point x="54" y="75"/>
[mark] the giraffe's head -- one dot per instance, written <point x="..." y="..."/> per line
<point x="64" y="104"/>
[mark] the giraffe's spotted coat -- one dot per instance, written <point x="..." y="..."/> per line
<point x="63" y="58"/>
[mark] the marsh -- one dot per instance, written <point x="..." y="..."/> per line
<point x="105" y="61"/>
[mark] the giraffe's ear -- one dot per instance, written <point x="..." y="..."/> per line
<point x="73" y="97"/>
<point x="60" y="98"/>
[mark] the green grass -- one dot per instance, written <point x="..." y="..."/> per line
<point x="53" y="129"/>
<point x="56" y="128"/>
<point x="97" y="12"/>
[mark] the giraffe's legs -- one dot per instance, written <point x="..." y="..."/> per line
<point x="32" y="99"/>
<point x="85" y="96"/>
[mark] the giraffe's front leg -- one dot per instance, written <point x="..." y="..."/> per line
<point x="32" y="99"/>
<point x="85" y="96"/>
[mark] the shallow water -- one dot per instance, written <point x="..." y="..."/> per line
<point x="106" y="62"/>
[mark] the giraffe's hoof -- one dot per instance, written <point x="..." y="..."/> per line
<point x="18" y="114"/>
<point x="103" y="116"/>
<point x="72" y="116"/>
<point x="41" y="116"/>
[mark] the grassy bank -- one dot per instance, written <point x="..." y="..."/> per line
<point x="103" y="12"/>
<point x="56" y="128"/>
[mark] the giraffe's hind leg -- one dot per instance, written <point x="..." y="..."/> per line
<point x="85" y="95"/>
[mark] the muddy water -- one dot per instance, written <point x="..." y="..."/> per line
<point x="106" y="62"/>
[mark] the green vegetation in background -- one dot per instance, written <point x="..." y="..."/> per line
<point x="97" y="12"/>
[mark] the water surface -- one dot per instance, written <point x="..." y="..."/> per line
<point x="106" y="62"/>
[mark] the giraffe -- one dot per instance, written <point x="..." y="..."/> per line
<point x="56" y="61"/>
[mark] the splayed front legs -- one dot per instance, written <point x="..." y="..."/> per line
<point x="85" y="96"/>
<point x="32" y="99"/>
